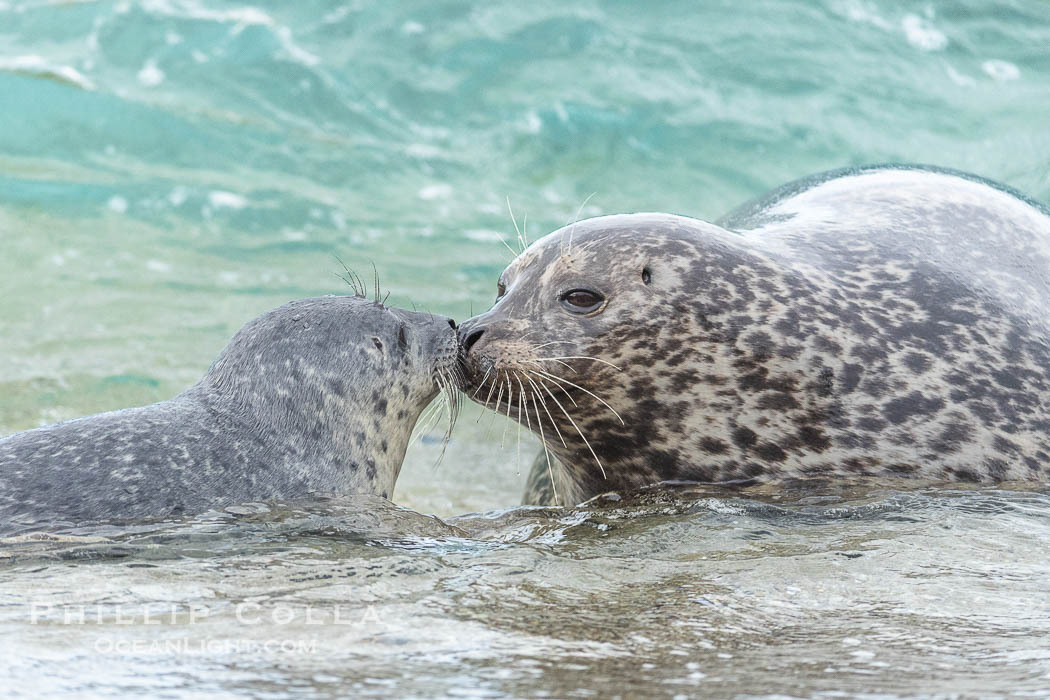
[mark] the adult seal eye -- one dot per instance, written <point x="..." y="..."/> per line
<point x="582" y="301"/>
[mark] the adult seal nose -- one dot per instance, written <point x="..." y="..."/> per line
<point x="470" y="339"/>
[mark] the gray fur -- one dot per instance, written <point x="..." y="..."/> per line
<point x="889" y="321"/>
<point x="317" y="395"/>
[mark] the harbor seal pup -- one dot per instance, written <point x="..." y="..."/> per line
<point x="319" y="395"/>
<point x="884" y="321"/>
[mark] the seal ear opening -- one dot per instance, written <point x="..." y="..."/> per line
<point x="647" y="275"/>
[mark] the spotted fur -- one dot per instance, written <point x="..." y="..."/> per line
<point x="317" y="395"/>
<point x="889" y="321"/>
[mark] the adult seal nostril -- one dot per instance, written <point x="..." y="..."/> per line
<point x="319" y="395"/>
<point x="472" y="338"/>
<point x="886" y="321"/>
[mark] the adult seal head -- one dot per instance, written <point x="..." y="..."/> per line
<point x="888" y="321"/>
<point x="319" y="395"/>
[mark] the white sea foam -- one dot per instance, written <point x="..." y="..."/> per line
<point x="436" y="191"/>
<point x="861" y="12"/>
<point x="118" y="204"/>
<point x="226" y="200"/>
<point x="1001" y="70"/>
<point x="423" y="150"/>
<point x="177" y="196"/>
<point x="239" y="17"/>
<point x="150" y="75"/>
<point x="37" y="66"/>
<point x="921" y="34"/>
<point x="960" y="79"/>
<point x="157" y="266"/>
<point x="187" y="9"/>
<point x="284" y="34"/>
<point x="533" y="122"/>
<point x="337" y="15"/>
<point x="485" y="235"/>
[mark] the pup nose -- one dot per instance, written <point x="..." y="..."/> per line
<point x="472" y="338"/>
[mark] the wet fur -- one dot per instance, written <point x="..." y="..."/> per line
<point x="887" y="321"/>
<point x="317" y="395"/>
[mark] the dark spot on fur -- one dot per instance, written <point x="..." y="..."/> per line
<point x="1007" y="379"/>
<point x="870" y="424"/>
<point x="813" y="438"/>
<point x="760" y="343"/>
<point x="754" y="381"/>
<point x="1003" y="445"/>
<point x="771" y="451"/>
<point x="917" y="362"/>
<point x="777" y="401"/>
<point x="744" y="437"/>
<point x="826" y="345"/>
<point x="997" y="468"/>
<point x="902" y="408"/>
<point x="826" y="381"/>
<point x="850" y="377"/>
<point x="713" y="446"/>
<point x="952" y="438"/>
<point x="875" y="387"/>
<point x="963" y="474"/>
<point x="753" y="469"/>
<point x="860" y="466"/>
<point x="902" y="468"/>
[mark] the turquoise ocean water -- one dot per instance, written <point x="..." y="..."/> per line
<point x="171" y="168"/>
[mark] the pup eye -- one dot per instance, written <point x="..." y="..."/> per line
<point x="501" y="289"/>
<point x="378" y="343"/>
<point x="581" y="301"/>
<point x="647" y="276"/>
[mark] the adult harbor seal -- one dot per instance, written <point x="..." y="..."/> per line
<point x="884" y="321"/>
<point x="317" y="395"/>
